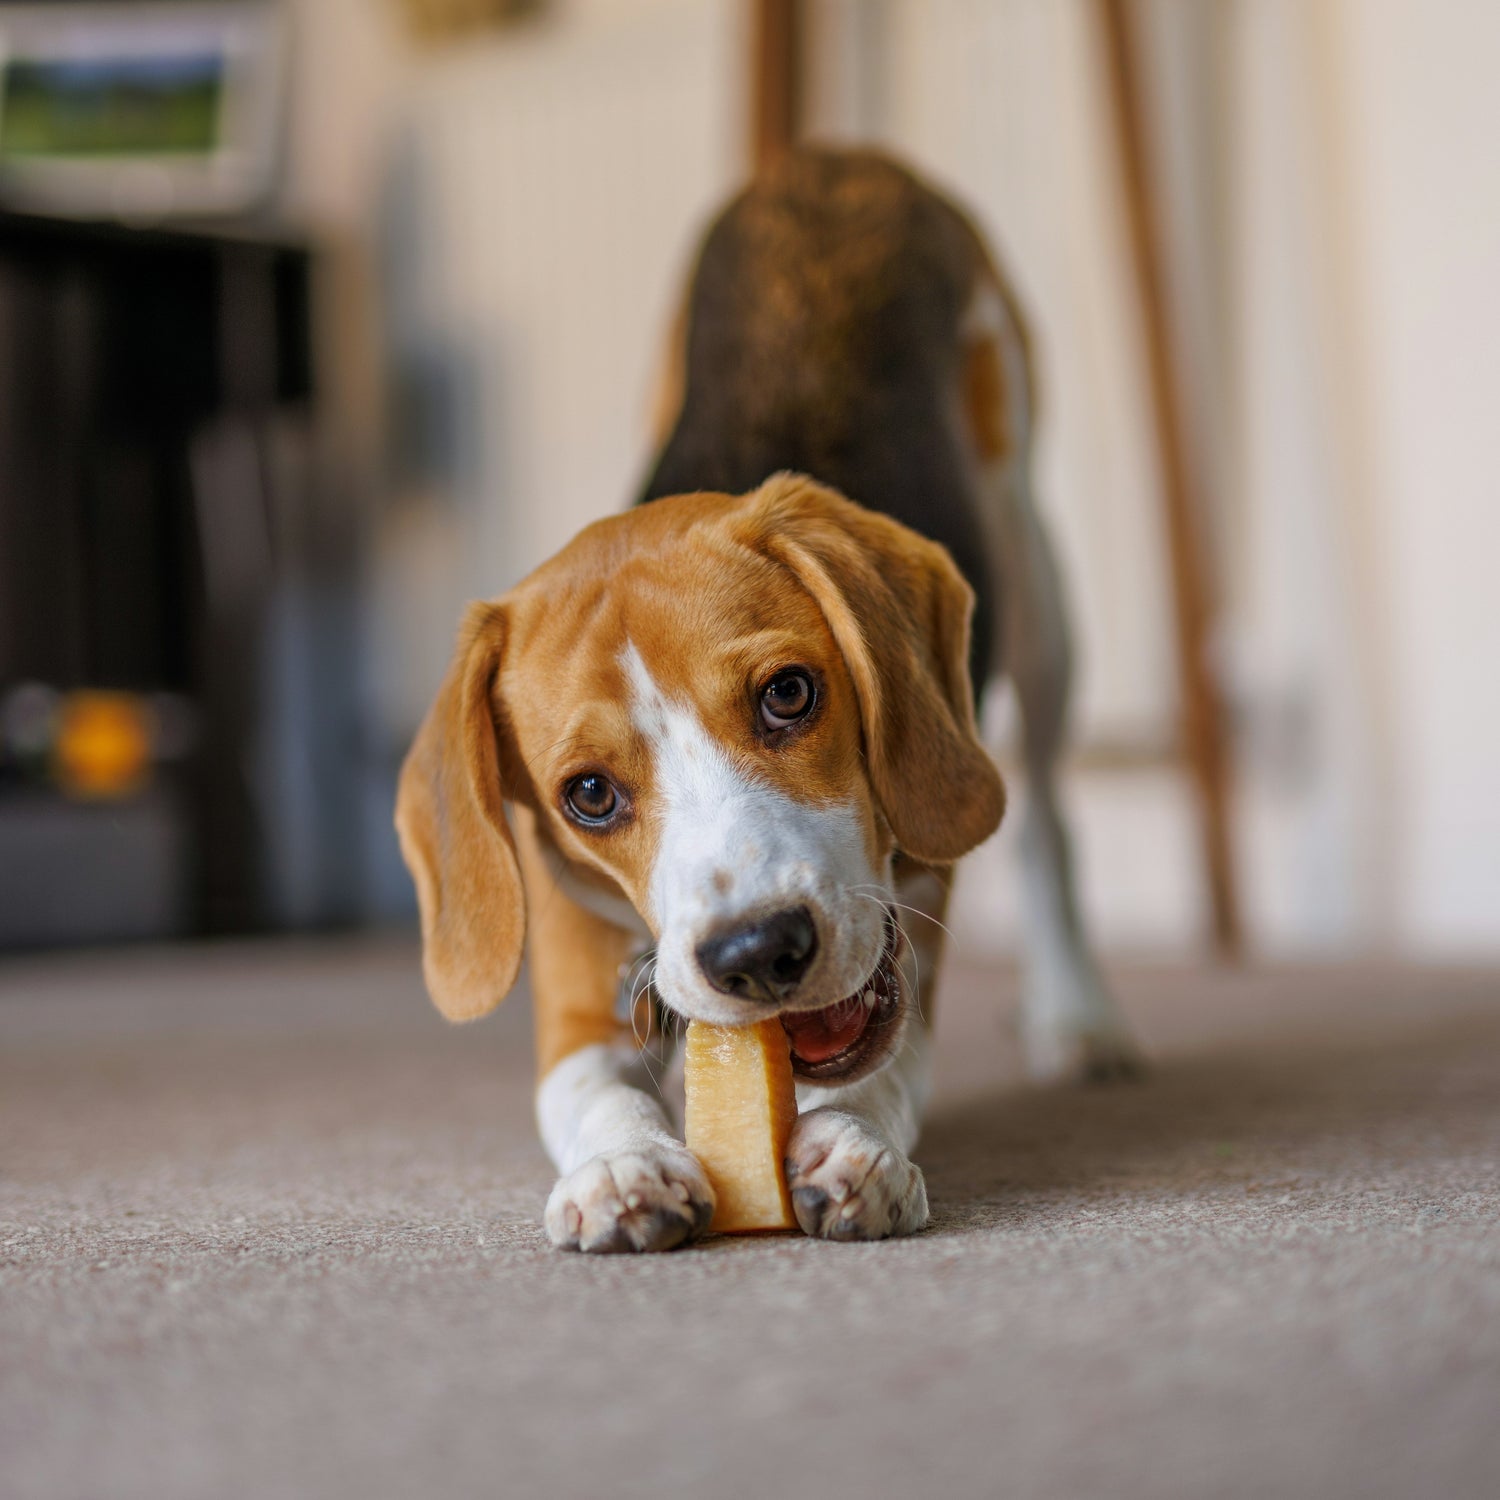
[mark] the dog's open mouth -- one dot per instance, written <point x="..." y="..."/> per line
<point x="836" y="1040"/>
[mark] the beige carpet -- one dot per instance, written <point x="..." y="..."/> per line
<point x="268" y="1228"/>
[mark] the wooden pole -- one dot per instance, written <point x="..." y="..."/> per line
<point x="776" y="85"/>
<point x="1205" y="739"/>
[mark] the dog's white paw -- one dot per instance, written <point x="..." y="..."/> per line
<point x="848" y="1183"/>
<point x="1078" y="1036"/>
<point x="654" y="1199"/>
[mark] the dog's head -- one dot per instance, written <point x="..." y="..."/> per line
<point x="731" y="712"/>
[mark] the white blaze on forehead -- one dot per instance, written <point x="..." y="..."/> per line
<point x="731" y="845"/>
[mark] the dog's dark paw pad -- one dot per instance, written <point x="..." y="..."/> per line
<point x="848" y="1183"/>
<point x="810" y="1204"/>
<point x="615" y="1240"/>
<point x="852" y="1222"/>
<point x="631" y="1202"/>
<point x="665" y="1230"/>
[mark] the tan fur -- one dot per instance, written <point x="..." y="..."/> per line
<point x="576" y="961"/>
<point x="670" y="385"/>
<point x="451" y="823"/>
<point x="789" y="573"/>
<point x="999" y="416"/>
<point x="984" y="400"/>
<point x="899" y="610"/>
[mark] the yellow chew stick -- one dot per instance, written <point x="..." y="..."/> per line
<point x="741" y="1103"/>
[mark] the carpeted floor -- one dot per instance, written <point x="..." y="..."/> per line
<point x="268" y="1228"/>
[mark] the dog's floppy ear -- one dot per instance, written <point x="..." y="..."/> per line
<point x="899" y="609"/>
<point x="450" y="818"/>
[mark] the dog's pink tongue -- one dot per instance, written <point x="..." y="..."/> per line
<point x="820" y="1034"/>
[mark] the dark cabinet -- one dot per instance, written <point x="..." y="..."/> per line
<point x="167" y="532"/>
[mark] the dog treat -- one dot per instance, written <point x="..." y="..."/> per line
<point x="741" y="1104"/>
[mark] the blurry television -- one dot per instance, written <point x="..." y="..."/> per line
<point x="140" y="111"/>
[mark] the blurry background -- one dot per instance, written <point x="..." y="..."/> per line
<point x="320" y="318"/>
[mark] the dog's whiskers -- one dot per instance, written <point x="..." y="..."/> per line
<point x="916" y="963"/>
<point x="886" y="899"/>
<point x="644" y="981"/>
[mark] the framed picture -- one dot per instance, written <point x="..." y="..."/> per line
<point x="447" y="20"/>
<point x="140" y="111"/>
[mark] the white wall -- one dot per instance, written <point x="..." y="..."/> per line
<point x="1333" y="213"/>
<point x="1306" y="665"/>
<point x="1364" y="233"/>
<point x="1422" y="116"/>
<point x="1004" y="105"/>
<point x="1335" y="233"/>
<point x="522" y="208"/>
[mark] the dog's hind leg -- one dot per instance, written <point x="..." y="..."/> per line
<point x="1070" y="1023"/>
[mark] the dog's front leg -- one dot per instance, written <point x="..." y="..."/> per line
<point x="627" y="1182"/>
<point x="847" y="1165"/>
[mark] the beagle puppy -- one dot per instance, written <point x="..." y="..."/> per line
<point x="717" y="758"/>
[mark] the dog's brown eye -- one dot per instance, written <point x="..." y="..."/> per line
<point x="592" y="798"/>
<point x="787" y="697"/>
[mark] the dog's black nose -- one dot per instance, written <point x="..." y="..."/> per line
<point x="763" y="959"/>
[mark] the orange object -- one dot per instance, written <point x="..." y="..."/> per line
<point x="741" y="1104"/>
<point x="103" y="744"/>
